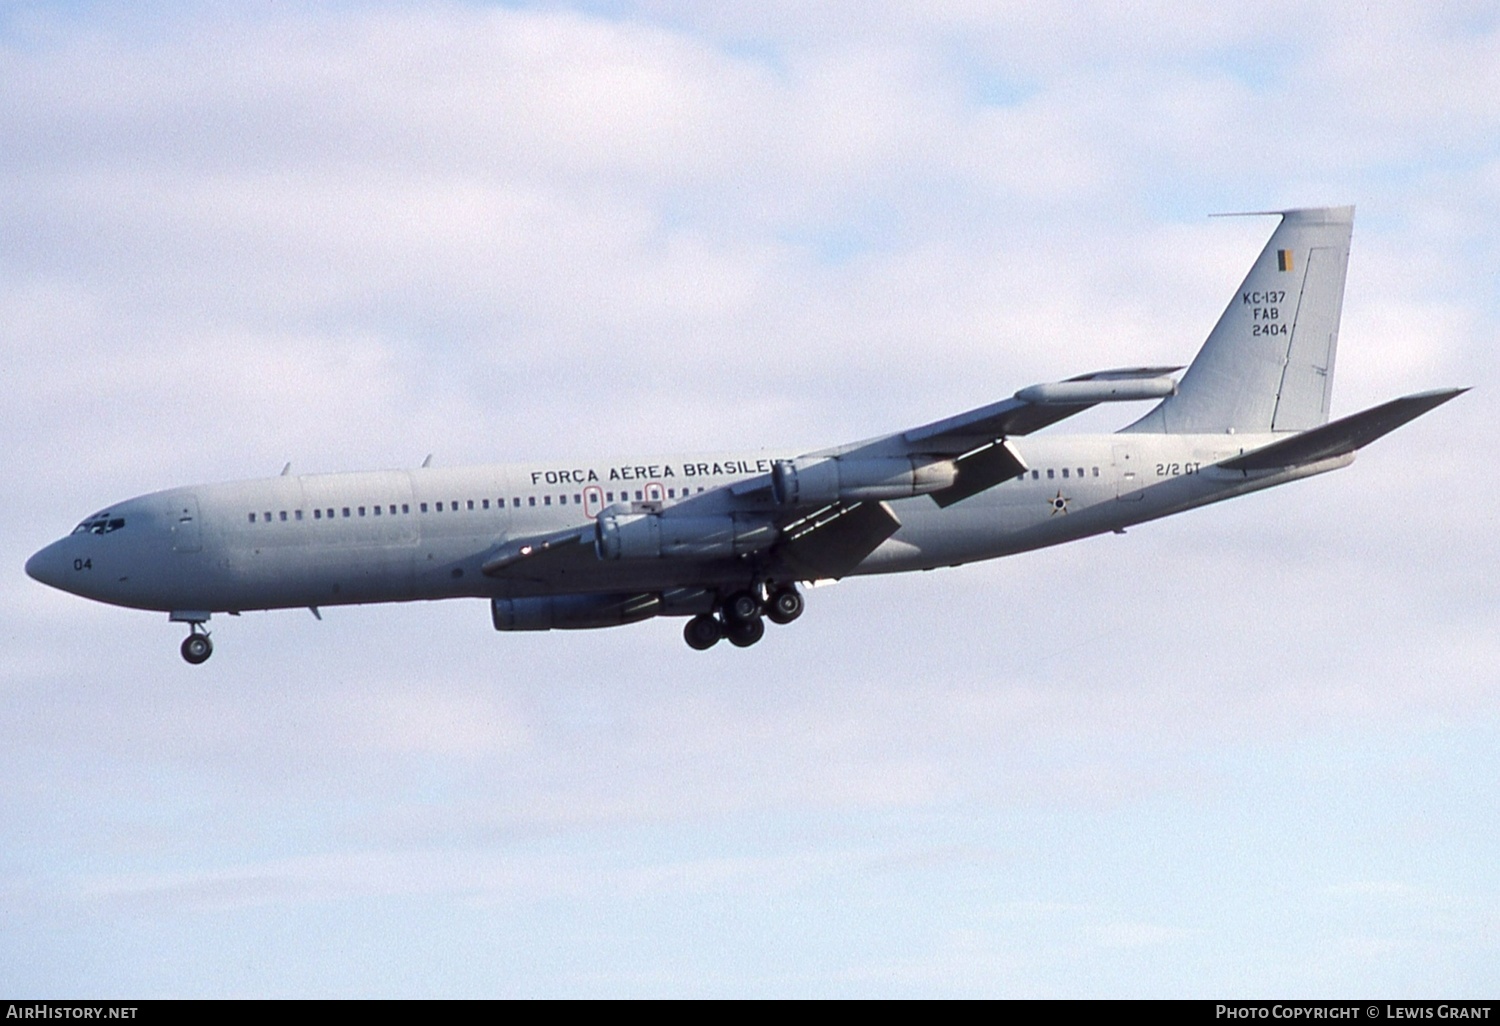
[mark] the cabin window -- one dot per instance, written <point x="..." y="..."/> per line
<point x="346" y="511"/>
<point x="562" y="500"/>
<point x="546" y="500"/>
<point x="1096" y="471"/>
<point x="486" y="503"/>
<point x="440" y="507"/>
<point x="531" y="500"/>
<point x="638" y="496"/>
<point x="377" y="511"/>
<point x="423" y="507"/>
<point x="1080" y="471"/>
<point x="1065" y="471"/>
<point x="298" y="514"/>
<point x="471" y="504"/>
<point x="453" y="505"/>
<point x="405" y="508"/>
<point x="252" y="520"/>
<point x="317" y="514"/>
<point x="516" y="501"/>
<point x="1051" y="473"/>
<point x="578" y="500"/>
<point x="1035" y="474"/>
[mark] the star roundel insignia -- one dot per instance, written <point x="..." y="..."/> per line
<point x="1059" y="503"/>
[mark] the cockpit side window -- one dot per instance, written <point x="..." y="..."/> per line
<point x="100" y="523"/>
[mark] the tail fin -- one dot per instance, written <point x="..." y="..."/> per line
<point x="1268" y="363"/>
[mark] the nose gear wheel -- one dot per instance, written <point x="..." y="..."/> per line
<point x="196" y="648"/>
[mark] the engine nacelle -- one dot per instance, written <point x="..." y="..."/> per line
<point x="572" y="612"/>
<point x="656" y="536"/>
<point x="815" y="481"/>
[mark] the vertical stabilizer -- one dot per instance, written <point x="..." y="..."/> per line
<point x="1268" y="363"/>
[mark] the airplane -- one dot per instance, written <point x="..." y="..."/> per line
<point x="726" y="539"/>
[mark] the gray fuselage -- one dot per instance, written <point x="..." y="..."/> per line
<point x="402" y="535"/>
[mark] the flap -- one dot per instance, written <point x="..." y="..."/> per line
<point x="834" y="540"/>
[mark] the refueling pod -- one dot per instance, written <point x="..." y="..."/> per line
<point x="1098" y="390"/>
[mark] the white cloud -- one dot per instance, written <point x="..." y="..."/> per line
<point x="350" y="237"/>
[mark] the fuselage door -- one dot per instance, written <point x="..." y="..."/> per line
<point x="593" y="501"/>
<point x="182" y="521"/>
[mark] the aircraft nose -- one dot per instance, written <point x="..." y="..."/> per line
<point x="47" y="565"/>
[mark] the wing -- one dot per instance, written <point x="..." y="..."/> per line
<point x="821" y="514"/>
<point x="1029" y="410"/>
<point x="975" y="441"/>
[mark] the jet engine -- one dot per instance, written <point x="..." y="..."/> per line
<point x="656" y="536"/>
<point x="807" y="482"/>
<point x="572" y="612"/>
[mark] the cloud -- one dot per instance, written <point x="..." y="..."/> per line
<point x="347" y="237"/>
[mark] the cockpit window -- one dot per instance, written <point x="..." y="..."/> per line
<point x="100" y="523"/>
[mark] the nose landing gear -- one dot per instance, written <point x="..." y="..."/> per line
<point x="196" y="648"/>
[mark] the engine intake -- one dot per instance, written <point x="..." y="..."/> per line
<point x="815" y="481"/>
<point x="656" y="536"/>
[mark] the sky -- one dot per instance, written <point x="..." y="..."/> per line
<point x="1249" y="751"/>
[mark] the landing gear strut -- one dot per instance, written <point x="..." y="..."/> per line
<point x="196" y="648"/>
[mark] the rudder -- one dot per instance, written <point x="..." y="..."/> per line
<point x="1268" y="363"/>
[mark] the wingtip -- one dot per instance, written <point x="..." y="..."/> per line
<point x="1442" y="395"/>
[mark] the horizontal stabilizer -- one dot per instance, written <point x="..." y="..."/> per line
<point x="1344" y="435"/>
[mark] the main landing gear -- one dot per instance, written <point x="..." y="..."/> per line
<point x="739" y="617"/>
